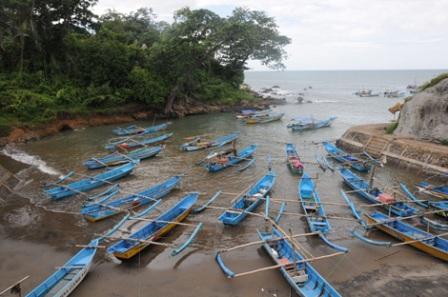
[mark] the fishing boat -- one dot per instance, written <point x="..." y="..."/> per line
<point x="441" y="205"/>
<point x="299" y="124"/>
<point x="104" y="208"/>
<point x="301" y="276"/>
<point x="419" y="239"/>
<point x="127" y="248"/>
<point x="436" y="191"/>
<point x="59" y="191"/>
<point x="131" y="143"/>
<point x="374" y="195"/>
<point x="312" y="207"/>
<point x="264" y="118"/>
<point x="199" y="143"/>
<point x="134" y="129"/>
<point x="345" y="158"/>
<point x="117" y="158"/>
<point x="67" y="277"/>
<point x="293" y="161"/>
<point x="248" y="201"/>
<point x="366" y="93"/>
<point x="223" y="160"/>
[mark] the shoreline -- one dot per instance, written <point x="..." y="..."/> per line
<point x="127" y="114"/>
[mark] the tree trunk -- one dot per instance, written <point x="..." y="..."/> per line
<point x="170" y="100"/>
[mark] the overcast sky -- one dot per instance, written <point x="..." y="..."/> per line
<point x="338" y="34"/>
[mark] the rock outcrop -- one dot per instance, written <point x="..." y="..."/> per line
<point x="425" y="115"/>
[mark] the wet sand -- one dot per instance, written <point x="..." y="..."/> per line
<point x="38" y="235"/>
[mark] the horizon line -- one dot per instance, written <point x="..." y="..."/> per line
<point x="365" y="69"/>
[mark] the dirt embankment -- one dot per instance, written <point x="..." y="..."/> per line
<point x="408" y="152"/>
<point x="128" y="114"/>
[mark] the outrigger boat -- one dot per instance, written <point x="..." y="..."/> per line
<point x="436" y="191"/>
<point x="314" y="211"/>
<point x="221" y="160"/>
<point x="293" y="161"/>
<point x="264" y="118"/>
<point x="309" y="123"/>
<point x="442" y="205"/>
<point x="131" y="143"/>
<point x="345" y="158"/>
<point x="59" y="191"/>
<point x="127" y="248"/>
<point x="117" y="158"/>
<point x="429" y="243"/>
<point x="374" y="195"/>
<point x="67" y="277"/>
<point x="198" y="143"/>
<point x="248" y="201"/>
<point x="246" y="113"/>
<point x="134" y="129"/>
<point x="104" y="208"/>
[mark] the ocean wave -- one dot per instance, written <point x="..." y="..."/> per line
<point x="325" y="101"/>
<point x="21" y="156"/>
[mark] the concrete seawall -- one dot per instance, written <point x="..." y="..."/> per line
<point x="404" y="152"/>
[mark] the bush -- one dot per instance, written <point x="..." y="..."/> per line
<point x="391" y="127"/>
<point x="433" y="81"/>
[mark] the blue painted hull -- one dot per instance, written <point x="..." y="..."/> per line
<point x="117" y="159"/>
<point x="293" y="160"/>
<point x="243" y="204"/>
<point x="245" y="153"/>
<point x="130" y="144"/>
<point x="343" y="157"/>
<point x="197" y="145"/>
<point x="133" y="130"/>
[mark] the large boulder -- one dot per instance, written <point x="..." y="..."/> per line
<point x="425" y="115"/>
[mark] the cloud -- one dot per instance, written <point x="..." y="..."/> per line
<point x="339" y="34"/>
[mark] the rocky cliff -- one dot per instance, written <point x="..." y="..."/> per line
<point x="425" y="115"/>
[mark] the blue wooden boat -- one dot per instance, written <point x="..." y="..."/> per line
<point x="224" y="160"/>
<point x="424" y="241"/>
<point x="117" y="158"/>
<point x="374" y="195"/>
<point x="66" y="278"/>
<point x="436" y="191"/>
<point x="441" y="205"/>
<point x="310" y="201"/>
<point x="302" y="277"/>
<point x="345" y="158"/>
<point x="129" y="247"/>
<point x="59" y="191"/>
<point x="263" y="118"/>
<point x="308" y="123"/>
<point x="293" y="161"/>
<point x="104" y="208"/>
<point x="199" y="143"/>
<point x="434" y="224"/>
<point x="248" y="201"/>
<point x="134" y="129"/>
<point x="131" y="143"/>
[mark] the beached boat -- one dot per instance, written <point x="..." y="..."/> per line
<point x="293" y="161"/>
<point x="345" y="158"/>
<point x="374" y="195"/>
<point x="264" y="118"/>
<point x="59" y="191"/>
<point x="248" y="201"/>
<point x="67" y="277"/>
<point x="302" y="277"/>
<point x="436" y="191"/>
<point x="419" y="239"/>
<point x="131" y="143"/>
<point x="441" y="205"/>
<point x="199" y="143"/>
<point x="134" y="129"/>
<point x="312" y="207"/>
<point x="308" y="123"/>
<point x="223" y="160"/>
<point x="151" y="231"/>
<point x="117" y="158"/>
<point x="105" y="208"/>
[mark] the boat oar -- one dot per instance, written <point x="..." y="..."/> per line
<point x="15" y="286"/>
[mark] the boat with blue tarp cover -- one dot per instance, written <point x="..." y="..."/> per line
<point x="309" y="123"/>
<point x="249" y="200"/>
<point x="374" y="195"/>
<point x="59" y="191"/>
<point x="104" y="208"/>
<point x="134" y="129"/>
<point x="345" y="158"/>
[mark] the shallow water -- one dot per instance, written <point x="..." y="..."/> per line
<point x="39" y="234"/>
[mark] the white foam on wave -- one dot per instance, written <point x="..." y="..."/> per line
<point x="21" y="156"/>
